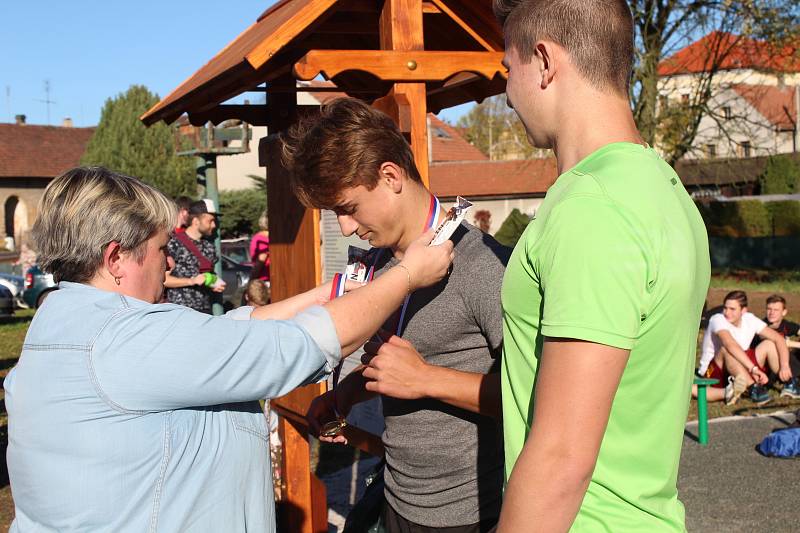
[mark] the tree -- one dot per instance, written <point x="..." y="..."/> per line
<point x="122" y="143"/>
<point x="781" y="176"/>
<point x="241" y="210"/>
<point x="512" y="228"/>
<point x="663" y="26"/>
<point x="494" y="129"/>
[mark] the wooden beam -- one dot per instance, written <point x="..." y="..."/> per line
<point x="401" y="31"/>
<point x="464" y="26"/>
<point x="294" y="255"/>
<point x="429" y="8"/>
<point x="416" y="66"/>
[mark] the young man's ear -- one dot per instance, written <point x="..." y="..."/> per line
<point x="392" y="175"/>
<point x="547" y="56"/>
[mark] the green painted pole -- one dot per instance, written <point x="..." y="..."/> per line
<point x="207" y="176"/>
<point x="702" y="415"/>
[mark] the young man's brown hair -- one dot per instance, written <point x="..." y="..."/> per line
<point x="776" y="299"/>
<point x="597" y="34"/>
<point x="342" y="147"/>
<point x="739" y="296"/>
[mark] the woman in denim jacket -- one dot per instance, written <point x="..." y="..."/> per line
<point x="129" y="415"/>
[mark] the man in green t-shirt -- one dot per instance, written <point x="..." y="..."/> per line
<point x="603" y="293"/>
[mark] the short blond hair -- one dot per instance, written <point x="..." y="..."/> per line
<point x="86" y="208"/>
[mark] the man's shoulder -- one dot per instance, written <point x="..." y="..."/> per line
<point x="479" y="247"/>
<point x="718" y="322"/>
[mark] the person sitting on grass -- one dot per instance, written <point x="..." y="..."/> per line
<point x="775" y="317"/>
<point x="726" y="355"/>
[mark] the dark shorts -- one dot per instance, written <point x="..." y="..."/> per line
<point x="715" y="372"/>
<point x="394" y="523"/>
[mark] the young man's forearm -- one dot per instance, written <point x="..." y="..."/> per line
<point x="477" y="393"/>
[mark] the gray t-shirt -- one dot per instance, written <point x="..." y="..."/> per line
<point x="444" y="465"/>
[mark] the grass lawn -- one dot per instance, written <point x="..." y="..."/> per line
<point x="12" y="334"/>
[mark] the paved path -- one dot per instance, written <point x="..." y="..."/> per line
<point x="726" y="487"/>
<point x="729" y="487"/>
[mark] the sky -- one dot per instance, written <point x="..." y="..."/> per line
<point x="90" y="50"/>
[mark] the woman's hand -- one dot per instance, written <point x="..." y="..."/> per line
<point x="427" y="264"/>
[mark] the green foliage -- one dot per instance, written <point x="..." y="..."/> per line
<point x="240" y="211"/>
<point x="512" y="227"/>
<point x="494" y="129"/>
<point x="751" y="218"/>
<point x="122" y="143"/>
<point x="785" y="217"/>
<point x="781" y="176"/>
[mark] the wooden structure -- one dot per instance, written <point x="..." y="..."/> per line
<point x="406" y="57"/>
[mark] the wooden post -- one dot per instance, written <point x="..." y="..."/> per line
<point x="401" y="30"/>
<point x="294" y="257"/>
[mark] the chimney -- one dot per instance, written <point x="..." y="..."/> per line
<point x="20" y="120"/>
<point x="66" y="123"/>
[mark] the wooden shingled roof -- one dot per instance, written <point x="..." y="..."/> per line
<point x="302" y="36"/>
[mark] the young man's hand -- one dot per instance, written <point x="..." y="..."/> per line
<point x="395" y="369"/>
<point x="322" y="411"/>
<point x="759" y="376"/>
<point x="785" y="373"/>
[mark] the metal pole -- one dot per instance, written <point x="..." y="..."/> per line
<point x="207" y="177"/>
<point x="702" y="415"/>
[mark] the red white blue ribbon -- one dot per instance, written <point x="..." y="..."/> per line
<point x="430" y="222"/>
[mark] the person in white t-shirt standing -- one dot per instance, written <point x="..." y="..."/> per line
<point x="727" y="355"/>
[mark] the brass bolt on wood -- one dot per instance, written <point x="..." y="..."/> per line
<point x="412" y="65"/>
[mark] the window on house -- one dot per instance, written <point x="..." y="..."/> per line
<point x="440" y="133"/>
<point x="746" y="148"/>
<point x="711" y="150"/>
<point x="726" y="112"/>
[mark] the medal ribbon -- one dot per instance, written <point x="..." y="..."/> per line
<point x="430" y="222"/>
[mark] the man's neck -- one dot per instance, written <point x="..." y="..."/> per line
<point x="415" y="217"/>
<point x="602" y="119"/>
<point x="194" y="233"/>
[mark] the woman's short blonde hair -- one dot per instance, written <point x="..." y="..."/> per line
<point x="86" y="208"/>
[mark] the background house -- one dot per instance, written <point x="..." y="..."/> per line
<point x="31" y="156"/>
<point x="755" y="95"/>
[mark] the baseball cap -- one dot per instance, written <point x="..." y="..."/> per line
<point x="203" y="206"/>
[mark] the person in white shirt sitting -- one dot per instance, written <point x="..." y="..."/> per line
<point x="727" y="356"/>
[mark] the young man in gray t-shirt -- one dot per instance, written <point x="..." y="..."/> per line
<point x="437" y="371"/>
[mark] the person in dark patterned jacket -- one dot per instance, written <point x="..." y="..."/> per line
<point x="194" y="256"/>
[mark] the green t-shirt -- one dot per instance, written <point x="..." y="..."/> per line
<point x="618" y="255"/>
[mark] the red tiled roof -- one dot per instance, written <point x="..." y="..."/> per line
<point x="452" y="147"/>
<point x="448" y="147"/>
<point x="776" y="104"/>
<point x="732" y="52"/>
<point x="493" y="178"/>
<point x="28" y="151"/>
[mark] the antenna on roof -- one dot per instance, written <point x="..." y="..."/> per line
<point x="47" y="99"/>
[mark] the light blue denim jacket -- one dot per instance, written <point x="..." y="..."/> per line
<point x="130" y="416"/>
